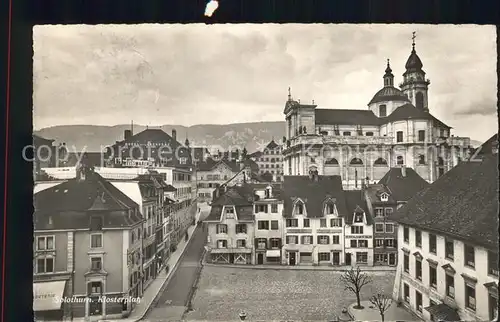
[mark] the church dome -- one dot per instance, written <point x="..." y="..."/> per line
<point x="414" y="61"/>
<point x="389" y="93"/>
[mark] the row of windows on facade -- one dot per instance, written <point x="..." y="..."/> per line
<point x="261" y="243"/>
<point x="277" y="160"/>
<point x="271" y="166"/>
<point x="469" y="250"/>
<point x="272" y="151"/>
<point x="334" y="222"/>
<point x="378" y="162"/>
<point x="181" y="177"/>
<point x="399" y="134"/>
<point x="307" y="257"/>
<point x="469" y="290"/>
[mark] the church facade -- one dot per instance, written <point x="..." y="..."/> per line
<point x="397" y="129"/>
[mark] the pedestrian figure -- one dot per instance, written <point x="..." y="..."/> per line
<point x="186" y="236"/>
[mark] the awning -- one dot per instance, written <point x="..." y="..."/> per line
<point x="273" y="253"/>
<point x="443" y="312"/>
<point x="47" y="295"/>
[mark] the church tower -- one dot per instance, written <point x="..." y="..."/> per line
<point x="415" y="86"/>
<point x="388" y="77"/>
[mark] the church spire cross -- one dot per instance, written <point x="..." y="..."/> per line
<point x="413" y="36"/>
<point x="289" y="94"/>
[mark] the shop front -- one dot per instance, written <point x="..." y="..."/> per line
<point x="48" y="304"/>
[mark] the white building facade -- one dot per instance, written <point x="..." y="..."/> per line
<point x="438" y="269"/>
<point x="396" y="129"/>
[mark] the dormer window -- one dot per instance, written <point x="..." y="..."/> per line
<point x="96" y="223"/>
<point x="358" y="217"/>
<point x="268" y="192"/>
<point x="384" y="197"/>
<point x="330" y="209"/>
<point x="299" y="208"/>
<point x="229" y="212"/>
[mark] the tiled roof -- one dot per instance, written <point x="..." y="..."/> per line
<point x="389" y="93"/>
<point x="355" y="201"/>
<point x="346" y="117"/>
<point x="487" y="147"/>
<point x="272" y="145"/>
<point x="463" y="203"/>
<point x="210" y="164"/>
<point x="157" y="136"/>
<point x="374" y="191"/>
<point x="240" y="197"/>
<point x="313" y="193"/>
<point x="69" y="204"/>
<point x="403" y="188"/>
<point x="408" y="111"/>
<point x="256" y="154"/>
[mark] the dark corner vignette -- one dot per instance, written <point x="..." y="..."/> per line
<point x="17" y="85"/>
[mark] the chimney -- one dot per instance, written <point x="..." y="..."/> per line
<point x="403" y="171"/>
<point x="127" y="134"/>
<point x="174" y="134"/>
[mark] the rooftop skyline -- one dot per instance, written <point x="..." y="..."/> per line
<point x="219" y="74"/>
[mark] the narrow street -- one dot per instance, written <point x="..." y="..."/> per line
<point x="172" y="302"/>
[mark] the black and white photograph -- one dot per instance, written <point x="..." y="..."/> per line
<point x="265" y="172"/>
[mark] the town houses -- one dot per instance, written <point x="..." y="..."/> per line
<point x="231" y="226"/>
<point x="312" y="220"/>
<point x="270" y="161"/>
<point x="313" y="214"/>
<point x="268" y="207"/>
<point x="163" y="193"/>
<point x="448" y="244"/>
<point x="87" y="244"/>
<point x="382" y="199"/>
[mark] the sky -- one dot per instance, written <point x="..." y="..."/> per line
<point x="192" y="74"/>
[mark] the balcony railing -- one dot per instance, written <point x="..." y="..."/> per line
<point x="337" y="139"/>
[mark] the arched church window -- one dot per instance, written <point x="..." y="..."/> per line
<point x="400" y="160"/>
<point x="380" y="162"/>
<point x="356" y="161"/>
<point x="421" y="159"/>
<point x="419" y="100"/>
<point x="332" y="161"/>
<point x="382" y="111"/>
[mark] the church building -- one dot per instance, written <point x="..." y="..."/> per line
<point x="397" y="129"/>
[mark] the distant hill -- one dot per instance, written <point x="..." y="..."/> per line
<point x="253" y="136"/>
<point x="475" y="143"/>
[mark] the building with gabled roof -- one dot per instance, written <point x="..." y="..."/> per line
<point x="314" y="213"/>
<point x="151" y="147"/>
<point x="396" y="129"/>
<point x="231" y="226"/>
<point x="448" y="239"/>
<point x="79" y="225"/>
<point x="358" y="225"/>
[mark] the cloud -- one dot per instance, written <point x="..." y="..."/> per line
<point x="482" y="107"/>
<point x="191" y="74"/>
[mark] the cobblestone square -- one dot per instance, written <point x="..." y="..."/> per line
<point x="276" y="294"/>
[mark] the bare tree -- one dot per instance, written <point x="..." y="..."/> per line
<point x="354" y="280"/>
<point x="382" y="303"/>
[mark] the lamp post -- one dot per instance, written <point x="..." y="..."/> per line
<point x="242" y="315"/>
